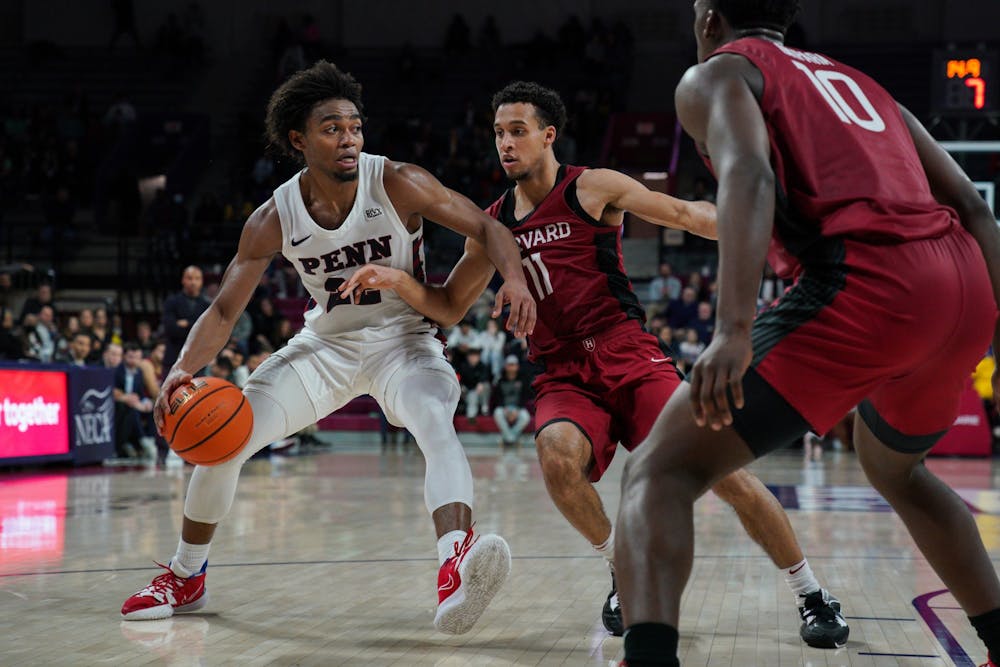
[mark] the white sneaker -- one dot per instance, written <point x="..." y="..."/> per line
<point x="468" y="581"/>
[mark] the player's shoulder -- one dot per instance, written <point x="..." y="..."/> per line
<point x="264" y="215"/>
<point x="405" y="180"/>
<point x="599" y="177"/>
<point x="404" y="171"/>
<point x="262" y="229"/>
<point x="717" y="70"/>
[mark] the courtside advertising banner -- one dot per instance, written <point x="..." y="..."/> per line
<point x="93" y="407"/>
<point x="34" y="414"/>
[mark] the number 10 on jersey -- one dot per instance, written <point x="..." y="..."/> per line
<point x="534" y="267"/>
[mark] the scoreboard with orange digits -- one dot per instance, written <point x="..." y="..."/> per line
<point x="964" y="82"/>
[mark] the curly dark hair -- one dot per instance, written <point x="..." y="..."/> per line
<point x="548" y="105"/>
<point x="293" y="101"/>
<point x="777" y="14"/>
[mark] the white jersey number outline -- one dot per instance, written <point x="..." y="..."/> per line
<point x="823" y="80"/>
<point x="535" y="268"/>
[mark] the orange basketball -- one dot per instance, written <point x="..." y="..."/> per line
<point x="209" y="421"/>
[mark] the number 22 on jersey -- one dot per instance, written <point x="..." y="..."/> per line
<point x="368" y="298"/>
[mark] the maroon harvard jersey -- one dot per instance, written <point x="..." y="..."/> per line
<point x="843" y="158"/>
<point x="573" y="266"/>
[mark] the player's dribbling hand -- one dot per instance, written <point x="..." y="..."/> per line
<point x="718" y="372"/>
<point x="370" y="277"/>
<point x="523" y="309"/>
<point x="176" y="378"/>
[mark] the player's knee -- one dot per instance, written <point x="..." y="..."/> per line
<point x="428" y="420"/>
<point x="426" y="396"/>
<point x="887" y="478"/>
<point x="563" y="461"/>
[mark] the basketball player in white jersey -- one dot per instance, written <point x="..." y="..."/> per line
<point x="345" y="209"/>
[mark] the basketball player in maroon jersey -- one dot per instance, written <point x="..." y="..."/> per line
<point x="892" y="307"/>
<point x="605" y="379"/>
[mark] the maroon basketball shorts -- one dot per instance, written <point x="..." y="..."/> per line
<point x="612" y="387"/>
<point x="894" y="329"/>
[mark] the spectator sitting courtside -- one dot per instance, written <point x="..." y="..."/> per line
<point x="475" y="379"/>
<point x="511" y="393"/>
<point x="133" y="405"/>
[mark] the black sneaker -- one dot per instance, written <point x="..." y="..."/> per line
<point x="611" y="615"/>
<point x="823" y="626"/>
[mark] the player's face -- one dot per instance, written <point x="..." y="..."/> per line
<point x="521" y="143"/>
<point x="333" y="139"/>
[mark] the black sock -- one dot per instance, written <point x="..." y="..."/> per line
<point x="651" y="645"/>
<point x="988" y="628"/>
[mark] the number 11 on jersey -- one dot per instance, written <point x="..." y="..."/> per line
<point x="535" y="268"/>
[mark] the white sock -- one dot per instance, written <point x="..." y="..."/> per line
<point x="800" y="578"/>
<point x="446" y="544"/>
<point x="189" y="558"/>
<point x="607" y="548"/>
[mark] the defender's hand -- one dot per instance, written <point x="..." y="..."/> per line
<point x="176" y="378"/>
<point x="523" y="309"/>
<point x="720" y="368"/>
<point x="370" y="277"/>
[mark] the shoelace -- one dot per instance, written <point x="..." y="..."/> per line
<point x="162" y="585"/>
<point x="821" y="612"/>
<point x="461" y="549"/>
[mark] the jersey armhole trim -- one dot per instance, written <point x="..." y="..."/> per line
<point x="283" y="206"/>
<point x="378" y="192"/>
<point x="569" y="195"/>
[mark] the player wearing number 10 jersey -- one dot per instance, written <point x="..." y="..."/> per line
<point x="895" y="259"/>
<point x="605" y="379"/>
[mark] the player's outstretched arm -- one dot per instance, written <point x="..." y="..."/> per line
<point x="718" y="109"/>
<point x="414" y="190"/>
<point x="259" y="242"/>
<point x="444" y="304"/>
<point x="613" y="188"/>
<point x="952" y="187"/>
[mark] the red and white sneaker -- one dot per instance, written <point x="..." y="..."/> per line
<point x="167" y="595"/>
<point x="989" y="662"/>
<point x="468" y="581"/>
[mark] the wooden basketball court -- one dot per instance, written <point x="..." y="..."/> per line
<point x="329" y="560"/>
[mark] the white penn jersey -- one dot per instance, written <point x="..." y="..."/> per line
<point x="326" y="258"/>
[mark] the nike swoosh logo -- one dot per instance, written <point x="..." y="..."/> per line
<point x="295" y="242"/>
<point x="659" y="361"/>
<point x="797" y="569"/>
<point x="449" y="585"/>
